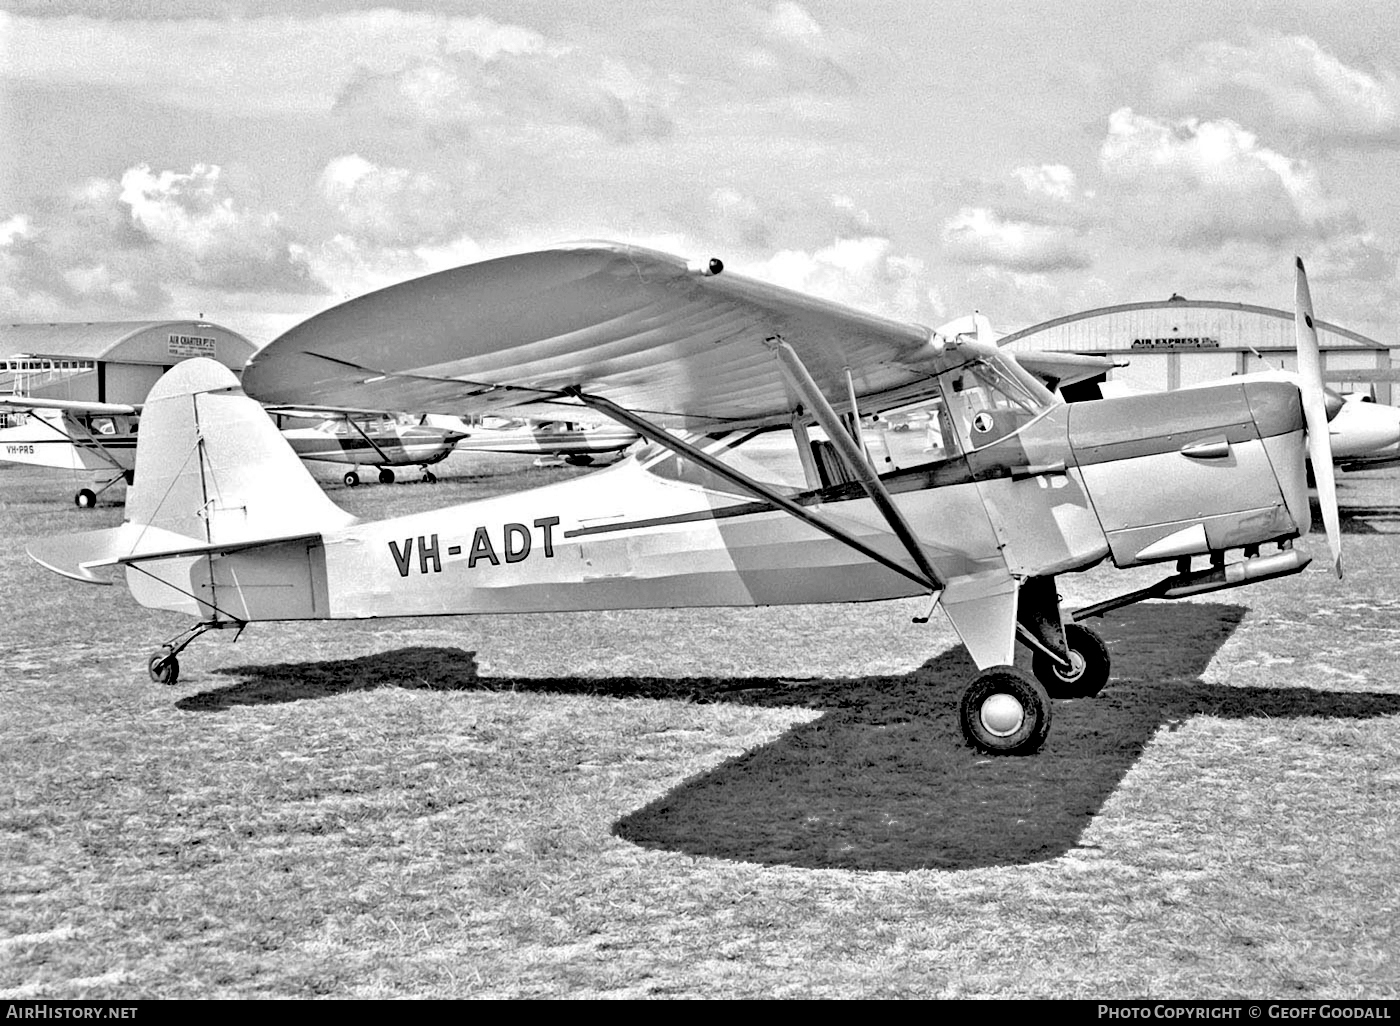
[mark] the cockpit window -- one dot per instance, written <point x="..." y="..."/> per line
<point x="988" y="400"/>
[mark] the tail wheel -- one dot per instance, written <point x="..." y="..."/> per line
<point x="85" y="499"/>
<point x="1089" y="674"/>
<point x="386" y="476"/>
<point x="351" y="479"/>
<point x="163" y="667"/>
<point x="1005" y="712"/>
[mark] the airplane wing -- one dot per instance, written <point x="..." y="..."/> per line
<point x="687" y="345"/>
<point x="1060" y="370"/>
<point x="22" y="402"/>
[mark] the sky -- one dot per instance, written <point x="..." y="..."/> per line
<point x="256" y="162"/>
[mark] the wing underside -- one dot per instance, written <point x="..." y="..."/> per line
<point x="642" y="329"/>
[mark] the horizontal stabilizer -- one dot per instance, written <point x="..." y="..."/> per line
<point x="74" y="555"/>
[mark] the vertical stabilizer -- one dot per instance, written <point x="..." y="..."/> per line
<point x="211" y="465"/>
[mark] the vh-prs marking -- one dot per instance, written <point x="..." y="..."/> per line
<point x="516" y="546"/>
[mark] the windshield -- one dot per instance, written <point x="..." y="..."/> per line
<point x="990" y="399"/>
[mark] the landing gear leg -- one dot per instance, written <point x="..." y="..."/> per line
<point x="164" y="667"/>
<point x="1070" y="660"/>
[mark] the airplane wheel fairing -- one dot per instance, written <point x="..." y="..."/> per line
<point x="386" y="476"/>
<point x="1090" y="657"/>
<point x="163" y="667"/>
<point x="85" y="499"/>
<point x="351" y="479"/>
<point x="1005" y="712"/>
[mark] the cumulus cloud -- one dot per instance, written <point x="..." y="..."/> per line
<point x="1285" y="82"/>
<point x="390" y="206"/>
<point x="130" y="245"/>
<point x="1206" y="181"/>
<point x="451" y="93"/>
<point x="864" y="273"/>
<point x="1054" y="180"/>
<point x="977" y="235"/>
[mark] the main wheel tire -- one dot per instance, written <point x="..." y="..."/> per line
<point x="1089" y="655"/>
<point x="1005" y="712"/>
<point x="85" y="499"/>
<point x="351" y="479"/>
<point x="163" y="667"/>
<point x="386" y="476"/>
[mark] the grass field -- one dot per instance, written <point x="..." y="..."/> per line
<point x="713" y="803"/>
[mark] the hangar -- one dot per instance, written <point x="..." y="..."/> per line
<point x="108" y="361"/>
<point x="1178" y="342"/>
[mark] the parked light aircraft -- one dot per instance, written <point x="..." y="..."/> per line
<point x="577" y="444"/>
<point x="754" y="490"/>
<point x="369" y="439"/>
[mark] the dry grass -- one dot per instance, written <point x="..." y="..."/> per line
<point x="714" y="803"/>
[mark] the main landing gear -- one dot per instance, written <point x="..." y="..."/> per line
<point x="386" y="476"/>
<point x="1006" y="711"/>
<point x="164" y="664"/>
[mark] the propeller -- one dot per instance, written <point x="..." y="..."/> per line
<point x="1315" y="412"/>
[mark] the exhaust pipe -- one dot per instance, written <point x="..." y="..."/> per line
<point x="1215" y="578"/>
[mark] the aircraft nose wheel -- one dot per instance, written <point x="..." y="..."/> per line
<point x="386" y="476"/>
<point x="1005" y="712"/>
<point x="163" y="666"/>
<point x="1089" y="655"/>
<point x="351" y="479"/>
<point x="429" y="477"/>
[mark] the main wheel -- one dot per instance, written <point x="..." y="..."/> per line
<point x="1005" y="712"/>
<point x="1089" y="655"/>
<point x="163" y="667"/>
<point x="85" y="499"/>
<point x="386" y="476"/>
<point x="351" y="479"/>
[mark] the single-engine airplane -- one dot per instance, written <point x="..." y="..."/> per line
<point x="368" y="439"/>
<point x="755" y="490"/>
<point x="576" y="444"/>
<point x="95" y="440"/>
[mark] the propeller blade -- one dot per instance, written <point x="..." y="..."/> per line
<point x="1315" y="411"/>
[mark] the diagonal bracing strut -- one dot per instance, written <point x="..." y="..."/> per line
<point x="748" y="484"/>
<point x="851" y="454"/>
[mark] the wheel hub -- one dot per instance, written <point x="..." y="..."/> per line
<point x="1002" y="715"/>
<point x="1076" y="668"/>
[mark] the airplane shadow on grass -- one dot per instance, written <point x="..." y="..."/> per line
<point x="882" y="780"/>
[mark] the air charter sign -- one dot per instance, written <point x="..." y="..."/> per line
<point x="1201" y="342"/>
<point x="190" y="345"/>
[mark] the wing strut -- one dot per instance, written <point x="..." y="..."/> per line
<point x="372" y="443"/>
<point x="851" y="452"/>
<point x="745" y="482"/>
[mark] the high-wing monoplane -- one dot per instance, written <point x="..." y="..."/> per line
<point x="757" y="487"/>
<point x="368" y="439"/>
<point x="94" y="440"/>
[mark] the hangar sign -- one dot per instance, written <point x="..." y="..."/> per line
<point x="190" y="345"/>
<point x="1201" y="342"/>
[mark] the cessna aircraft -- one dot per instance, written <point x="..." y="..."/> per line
<point x="577" y="444"/>
<point x="755" y="489"/>
<point x="371" y="439"/>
